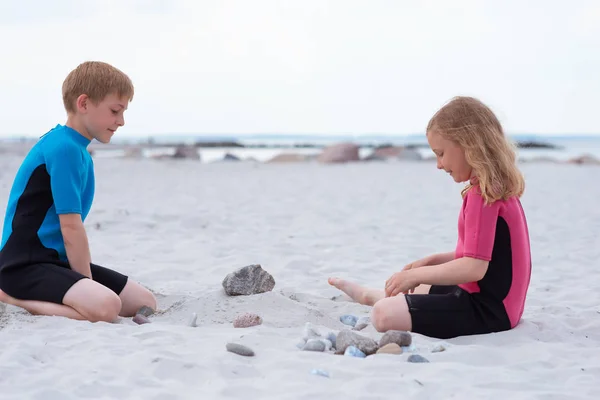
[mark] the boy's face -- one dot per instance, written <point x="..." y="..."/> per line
<point x="103" y="119"/>
<point x="450" y="157"/>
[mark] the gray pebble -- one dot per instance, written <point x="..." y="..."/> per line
<point x="239" y="349"/>
<point x="140" y="319"/>
<point x="320" y="372"/>
<point x="438" y="348"/>
<point x="145" y="311"/>
<point x="349" y="338"/>
<point x="314" y="345"/>
<point x="401" y="338"/>
<point x="354" y="352"/>
<point x="309" y="332"/>
<point x="331" y="336"/>
<point x="348" y="319"/>
<point x="415" y="358"/>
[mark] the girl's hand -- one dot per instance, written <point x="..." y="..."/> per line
<point x="401" y="282"/>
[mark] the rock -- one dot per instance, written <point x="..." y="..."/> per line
<point x="315" y="345"/>
<point x="348" y="319"/>
<point x="352" y="351"/>
<point x="362" y="323"/>
<point x="437" y="348"/>
<point x="247" y="320"/>
<point x="339" y="153"/>
<point x="192" y="320"/>
<point x="140" y="319"/>
<point x="585" y="159"/>
<point x="185" y="151"/>
<point x="240" y="349"/>
<point x="390" y="348"/>
<point x="310" y="332"/>
<point x="415" y="358"/>
<point x="145" y="311"/>
<point x="252" y="279"/>
<point x="319" y="372"/>
<point x="401" y="338"/>
<point x="349" y="338"/>
<point x="331" y="337"/>
<point x="288" y="158"/>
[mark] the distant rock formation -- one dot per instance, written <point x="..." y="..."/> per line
<point x="339" y="153"/>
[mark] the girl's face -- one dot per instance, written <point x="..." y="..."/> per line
<point x="450" y="157"/>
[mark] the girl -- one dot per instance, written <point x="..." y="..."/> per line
<point x="481" y="286"/>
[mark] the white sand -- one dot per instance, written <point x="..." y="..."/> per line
<point x="180" y="226"/>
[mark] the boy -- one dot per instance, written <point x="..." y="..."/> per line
<point x="45" y="264"/>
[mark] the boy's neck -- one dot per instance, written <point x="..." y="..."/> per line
<point x="74" y="123"/>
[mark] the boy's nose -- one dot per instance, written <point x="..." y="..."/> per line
<point x="439" y="164"/>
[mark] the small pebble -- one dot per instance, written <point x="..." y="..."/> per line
<point x="409" y="349"/>
<point x="353" y="351"/>
<point x="192" y="320"/>
<point x="416" y="358"/>
<point x="141" y="319"/>
<point x="314" y="345"/>
<point x="390" y="348"/>
<point x="401" y="338"/>
<point x="240" y="349"/>
<point x="309" y="332"/>
<point x="331" y="336"/>
<point x="348" y="319"/>
<point x="247" y="320"/>
<point x="145" y="311"/>
<point x="437" y="348"/>
<point x="320" y="372"/>
<point x="361" y="323"/>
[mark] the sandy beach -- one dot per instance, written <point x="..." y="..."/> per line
<point x="179" y="227"/>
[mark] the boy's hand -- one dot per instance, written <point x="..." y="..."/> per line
<point x="401" y="282"/>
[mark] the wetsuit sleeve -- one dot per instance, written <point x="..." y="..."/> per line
<point x="65" y="167"/>
<point x="480" y="226"/>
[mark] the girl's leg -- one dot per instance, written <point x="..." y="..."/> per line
<point x="391" y="313"/>
<point x="42" y="307"/>
<point x="364" y="295"/>
<point x="358" y="293"/>
<point x="133" y="297"/>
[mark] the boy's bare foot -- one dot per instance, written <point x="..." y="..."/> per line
<point x="356" y="292"/>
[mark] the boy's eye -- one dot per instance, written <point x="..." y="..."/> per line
<point x="115" y="111"/>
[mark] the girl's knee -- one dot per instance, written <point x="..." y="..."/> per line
<point x="391" y="314"/>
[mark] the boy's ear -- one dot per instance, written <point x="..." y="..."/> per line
<point x="82" y="103"/>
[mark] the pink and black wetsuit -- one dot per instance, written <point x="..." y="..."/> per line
<point x="496" y="233"/>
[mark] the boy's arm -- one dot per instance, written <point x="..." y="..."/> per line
<point x="76" y="243"/>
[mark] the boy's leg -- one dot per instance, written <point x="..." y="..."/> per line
<point x="42" y="307"/>
<point x="132" y="295"/>
<point x="391" y="313"/>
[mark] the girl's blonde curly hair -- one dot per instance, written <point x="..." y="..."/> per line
<point x="474" y="127"/>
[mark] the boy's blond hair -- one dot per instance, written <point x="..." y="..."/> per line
<point x="474" y="127"/>
<point x="97" y="80"/>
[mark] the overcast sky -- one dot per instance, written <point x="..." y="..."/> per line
<point x="307" y="66"/>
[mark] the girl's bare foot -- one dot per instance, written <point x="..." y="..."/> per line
<point x="356" y="292"/>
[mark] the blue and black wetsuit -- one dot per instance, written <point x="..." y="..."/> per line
<point x="56" y="177"/>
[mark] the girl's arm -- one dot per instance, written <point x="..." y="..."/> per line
<point x="439" y="258"/>
<point x="455" y="272"/>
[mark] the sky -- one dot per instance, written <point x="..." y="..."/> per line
<point x="307" y="66"/>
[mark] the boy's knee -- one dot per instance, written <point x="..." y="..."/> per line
<point x="391" y="314"/>
<point x="107" y="309"/>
